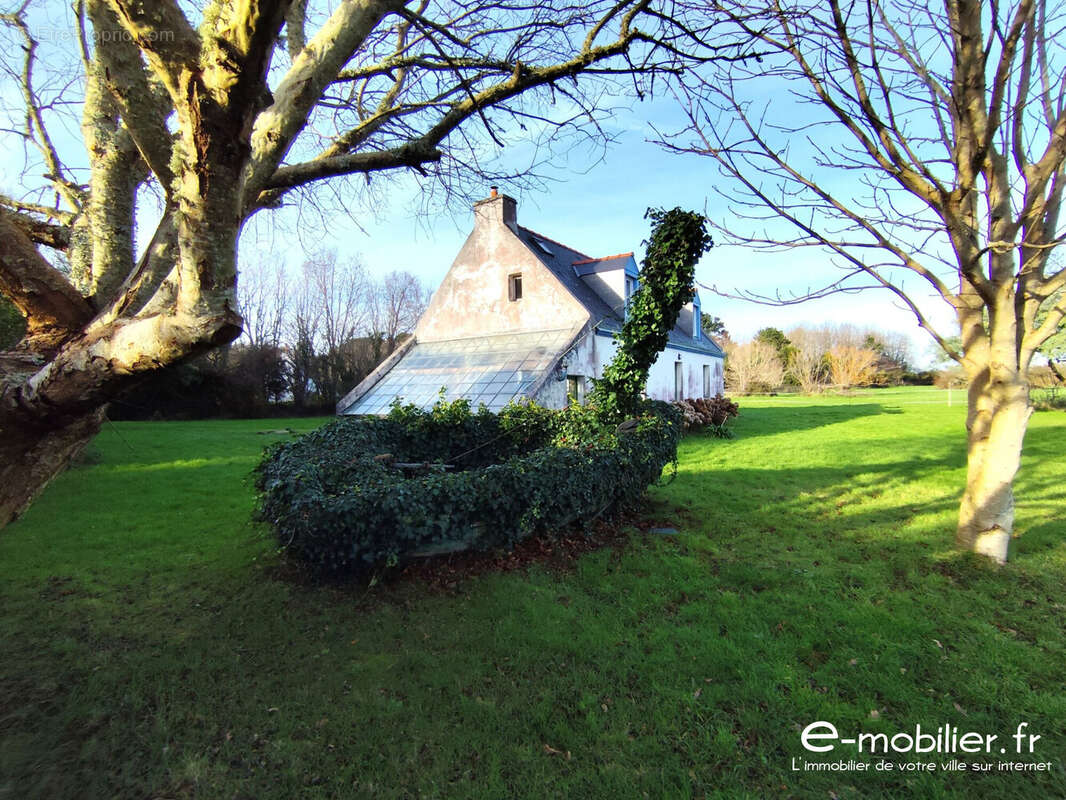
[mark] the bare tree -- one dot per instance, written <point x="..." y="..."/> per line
<point x="806" y="360"/>
<point x="341" y="291"/>
<point x="753" y="366"/>
<point x="333" y="323"/>
<point x="828" y="335"/>
<point x="262" y="300"/>
<point x="894" y="346"/>
<point x="256" y="358"/>
<point x="222" y="117"/>
<point x="940" y="131"/>
<point x="341" y="295"/>
<point x="851" y="366"/>
<point x="302" y="333"/>
<point x="399" y="300"/>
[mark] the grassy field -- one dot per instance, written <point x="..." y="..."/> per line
<point x="151" y="647"/>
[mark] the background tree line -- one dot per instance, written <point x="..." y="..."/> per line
<point x="815" y="358"/>
<point x="308" y="339"/>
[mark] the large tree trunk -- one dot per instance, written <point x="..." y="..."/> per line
<point x="49" y="413"/>
<point x="998" y="415"/>
<point x="31" y="456"/>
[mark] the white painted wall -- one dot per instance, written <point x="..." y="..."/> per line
<point x="593" y="353"/>
<point x="661" y="375"/>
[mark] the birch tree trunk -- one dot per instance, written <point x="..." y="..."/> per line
<point x="997" y="417"/>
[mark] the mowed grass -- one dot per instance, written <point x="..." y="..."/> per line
<point x="151" y="647"/>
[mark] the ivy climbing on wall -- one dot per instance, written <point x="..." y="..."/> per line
<point x="678" y="239"/>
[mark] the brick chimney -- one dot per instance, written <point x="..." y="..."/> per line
<point x="496" y="209"/>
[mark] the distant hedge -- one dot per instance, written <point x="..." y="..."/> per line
<point x="339" y="502"/>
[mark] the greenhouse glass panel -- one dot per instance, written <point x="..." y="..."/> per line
<point x="493" y="370"/>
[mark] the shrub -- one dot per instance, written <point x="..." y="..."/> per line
<point x="753" y="368"/>
<point x="1048" y="398"/>
<point x="925" y="377"/>
<point x="360" y="493"/>
<point x="851" y="366"/>
<point x="710" y="414"/>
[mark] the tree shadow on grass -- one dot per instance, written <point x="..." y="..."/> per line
<point x="769" y="421"/>
<point x="907" y="502"/>
<point x="1038" y="541"/>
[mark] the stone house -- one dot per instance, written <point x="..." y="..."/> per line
<point x="520" y="315"/>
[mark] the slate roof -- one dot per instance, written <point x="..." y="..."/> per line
<point x="561" y="262"/>
<point x="621" y="257"/>
<point x="677" y="339"/>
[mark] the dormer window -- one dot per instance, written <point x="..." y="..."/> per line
<point x="514" y="286"/>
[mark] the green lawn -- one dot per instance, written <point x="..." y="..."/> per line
<point x="152" y="649"/>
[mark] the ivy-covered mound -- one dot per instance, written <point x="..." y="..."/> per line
<point x="361" y="493"/>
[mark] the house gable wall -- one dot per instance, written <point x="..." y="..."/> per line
<point x="473" y="300"/>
